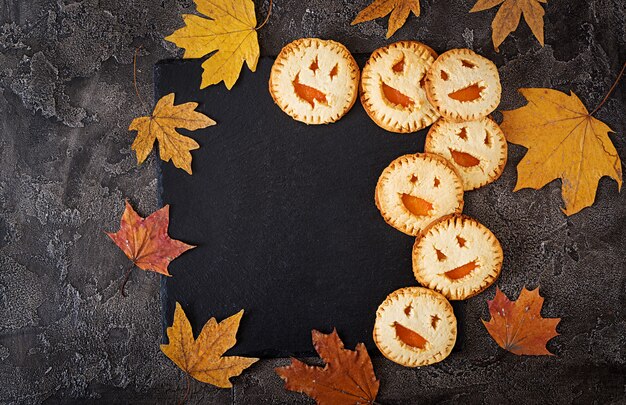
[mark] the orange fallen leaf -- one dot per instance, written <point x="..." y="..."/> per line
<point x="202" y="358"/>
<point x="347" y="378"/>
<point x="564" y="142"/>
<point x="161" y="126"/>
<point x="399" y="9"/>
<point x="517" y="326"/>
<point x="508" y="17"/>
<point x="145" y="240"/>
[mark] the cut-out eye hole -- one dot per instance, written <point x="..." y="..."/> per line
<point x="314" y="66"/>
<point x="334" y="71"/>
<point x="434" y="320"/>
<point x="407" y="310"/>
<point x="413" y="178"/>
<point x="462" y="133"/>
<point x="461" y="241"/>
<point x="398" y="67"/>
<point x="436" y="182"/>
<point x="467" y="64"/>
<point x="444" y="75"/>
<point x="487" y="139"/>
<point x="440" y="256"/>
<point x="423" y="82"/>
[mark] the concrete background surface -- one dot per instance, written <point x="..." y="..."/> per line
<point x="66" y="100"/>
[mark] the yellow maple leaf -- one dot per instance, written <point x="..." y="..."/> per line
<point x="230" y="29"/>
<point x="399" y="10"/>
<point x="564" y="142"/>
<point x="162" y="125"/>
<point x="508" y="17"/>
<point x="202" y="358"/>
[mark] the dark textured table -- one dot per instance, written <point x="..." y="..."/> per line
<point x="66" y="100"/>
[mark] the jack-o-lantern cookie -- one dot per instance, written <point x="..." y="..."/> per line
<point x="415" y="327"/>
<point x="415" y="190"/>
<point x="476" y="148"/>
<point x="463" y="85"/>
<point x="392" y="87"/>
<point x="457" y="256"/>
<point x="315" y="81"/>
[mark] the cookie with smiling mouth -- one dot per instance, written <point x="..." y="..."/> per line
<point x="315" y="81"/>
<point x="457" y="256"/>
<point x="415" y="327"/>
<point x="463" y="85"/>
<point x="415" y="190"/>
<point x="392" y="87"/>
<point x="477" y="149"/>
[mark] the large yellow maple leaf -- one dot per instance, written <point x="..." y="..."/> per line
<point x="228" y="27"/>
<point x="162" y="125"/>
<point x="399" y="9"/>
<point x="564" y="142"/>
<point x="508" y="17"/>
<point x="202" y="358"/>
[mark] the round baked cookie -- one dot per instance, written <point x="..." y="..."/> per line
<point x="392" y="87"/>
<point x="457" y="256"/>
<point x="477" y="149"/>
<point x="415" y="327"/>
<point x="315" y="81"/>
<point x="415" y="190"/>
<point x="463" y="85"/>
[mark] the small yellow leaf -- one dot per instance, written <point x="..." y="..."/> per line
<point x="564" y="142"/>
<point x="203" y="358"/>
<point x="399" y="9"/>
<point x="162" y="125"/>
<point x="230" y="29"/>
<point x="509" y="14"/>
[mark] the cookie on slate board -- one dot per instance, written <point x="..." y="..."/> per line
<point x="463" y="85"/>
<point x="477" y="149"/>
<point x="415" y="327"/>
<point x="392" y="87"/>
<point x="457" y="256"/>
<point x="315" y="81"/>
<point x="415" y="190"/>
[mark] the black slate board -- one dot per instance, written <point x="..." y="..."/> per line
<point x="284" y="218"/>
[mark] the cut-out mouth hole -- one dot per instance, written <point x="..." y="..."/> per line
<point x="464" y="159"/>
<point x="469" y="93"/>
<point x="308" y="93"/>
<point x="397" y="98"/>
<point x="462" y="271"/>
<point x="409" y="337"/>
<point x="416" y="206"/>
<point x="466" y="63"/>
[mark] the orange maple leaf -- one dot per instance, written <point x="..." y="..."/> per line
<point x="145" y="240"/>
<point x="399" y="9"/>
<point x="517" y="326"/>
<point x="347" y="378"/>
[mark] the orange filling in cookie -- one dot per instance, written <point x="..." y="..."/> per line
<point x="409" y="336"/>
<point x="417" y="206"/>
<point x="308" y="93"/>
<point x="462" y="271"/>
<point x="469" y="93"/>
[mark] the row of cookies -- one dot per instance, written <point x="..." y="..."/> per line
<point x="454" y="256"/>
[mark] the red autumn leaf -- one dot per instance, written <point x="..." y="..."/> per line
<point x="347" y="378"/>
<point x="517" y="326"/>
<point x="145" y="240"/>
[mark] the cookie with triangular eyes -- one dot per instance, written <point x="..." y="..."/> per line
<point x="314" y="81"/>
<point x="463" y="85"/>
<point x="392" y="87"/>
<point x="457" y="256"/>
<point x="415" y="190"/>
<point x="415" y="327"/>
<point x="477" y="149"/>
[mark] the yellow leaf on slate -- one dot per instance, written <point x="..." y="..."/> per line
<point x="202" y="358"/>
<point x="399" y="10"/>
<point x="162" y="125"/>
<point x="508" y="17"/>
<point x="229" y="29"/>
<point x="564" y="142"/>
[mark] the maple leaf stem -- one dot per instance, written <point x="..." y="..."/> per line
<point x="126" y="279"/>
<point x="187" y="390"/>
<point x="135" y="78"/>
<point x="619" y="76"/>
<point x="269" y="12"/>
